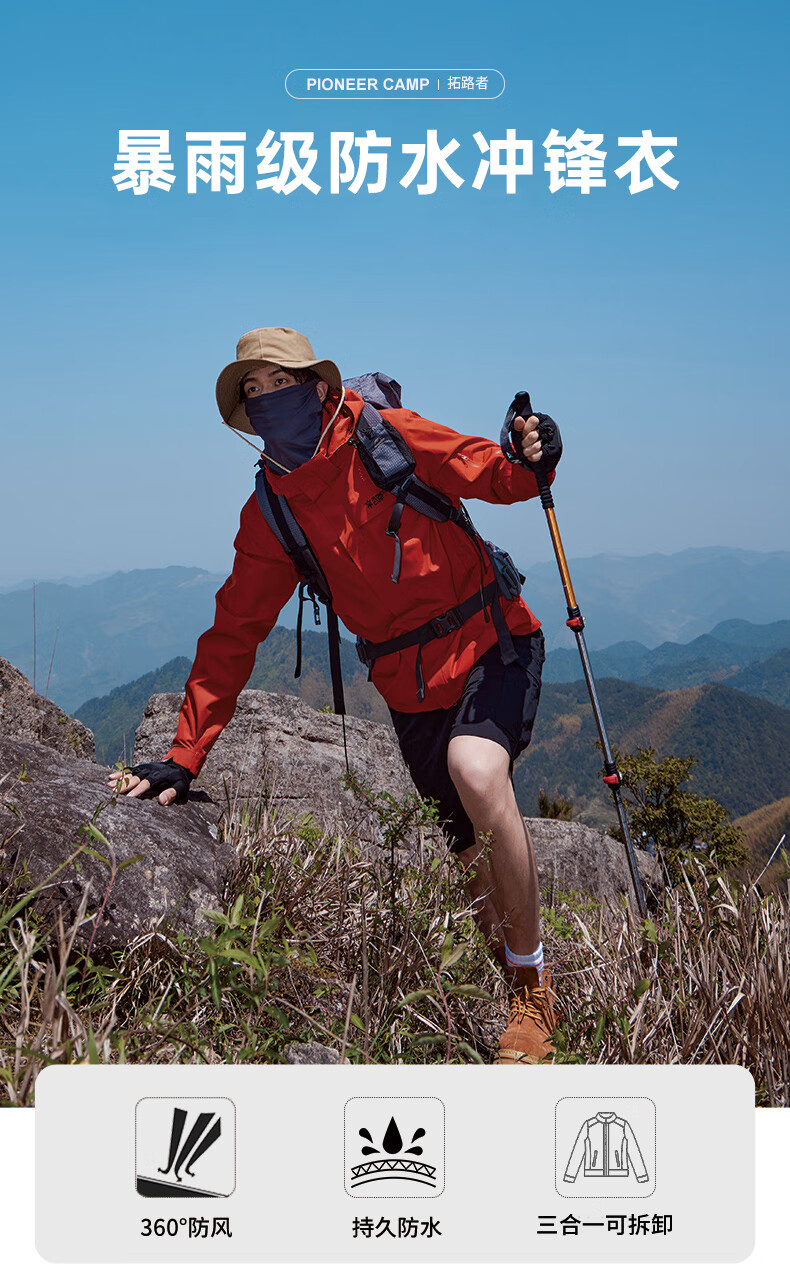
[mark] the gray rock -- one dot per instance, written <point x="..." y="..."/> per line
<point x="299" y="1053"/>
<point x="277" y="746"/>
<point x="588" y="862"/>
<point x="35" y="719"/>
<point x="45" y="801"/>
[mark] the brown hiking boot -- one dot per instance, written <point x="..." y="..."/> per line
<point x="530" y="1024"/>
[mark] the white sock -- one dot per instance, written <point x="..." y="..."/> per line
<point x="535" y="961"/>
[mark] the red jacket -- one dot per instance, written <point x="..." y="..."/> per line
<point x="345" y="516"/>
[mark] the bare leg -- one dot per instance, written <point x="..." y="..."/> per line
<point x="504" y="885"/>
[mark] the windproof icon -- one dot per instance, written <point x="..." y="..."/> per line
<point x="185" y="1147"/>
<point x="394" y="1147"/>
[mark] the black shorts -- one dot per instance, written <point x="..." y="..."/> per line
<point x="499" y="702"/>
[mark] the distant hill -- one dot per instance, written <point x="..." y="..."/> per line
<point x="763" y="828"/>
<point x="115" y="717"/>
<point x="768" y="679"/>
<point x="741" y="744"/>
<point x="754" y="658"/>
<point x="106" y="632"/>
<point x="112" y="630"/>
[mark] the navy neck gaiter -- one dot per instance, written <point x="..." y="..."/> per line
<point x="289" y="421"/>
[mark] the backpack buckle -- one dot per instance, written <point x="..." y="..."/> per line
<point x="443" y="624"/>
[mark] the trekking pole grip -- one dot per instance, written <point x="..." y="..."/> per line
<point x="521" y="407"/>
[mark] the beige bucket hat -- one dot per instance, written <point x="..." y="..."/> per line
<point x="284" y="347"/>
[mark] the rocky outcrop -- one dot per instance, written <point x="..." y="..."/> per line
<point x="302" y="1053"/>
<point x="587" y="862"/>
<point x="129" y="865"/>
<point x="34" y="719"/>
<point x="279" y="748"/>
<point x="156" y="862"/>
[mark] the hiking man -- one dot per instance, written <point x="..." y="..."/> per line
<point x="456" y="657"/>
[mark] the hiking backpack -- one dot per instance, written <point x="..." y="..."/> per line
<point x="391" y="466"/>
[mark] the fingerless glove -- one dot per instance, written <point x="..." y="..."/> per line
<point x="549" y="432"/>
<point x="164" y="774"/>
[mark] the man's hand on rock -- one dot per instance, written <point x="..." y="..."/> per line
<point x="165" y="780"/>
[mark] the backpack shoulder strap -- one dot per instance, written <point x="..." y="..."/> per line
<point x="390" y="464"/>
<point x="293" y="540"/>
<point x="292" y="537"/>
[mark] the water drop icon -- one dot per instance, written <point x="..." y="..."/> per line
<point x="392" y="1138"/>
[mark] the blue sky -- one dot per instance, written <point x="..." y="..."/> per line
<point x="653" y="326"/>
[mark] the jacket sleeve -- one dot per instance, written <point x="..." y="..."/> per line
<point x="635" y="1156"/>
<point x="576" y="1157"/>
<point x="248" y="604"/>
<point x="464" y="466"/>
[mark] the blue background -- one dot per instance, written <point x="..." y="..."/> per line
<point x="651" y="326"/>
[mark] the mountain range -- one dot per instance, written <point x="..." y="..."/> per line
<point x="108" y="632"/>
<point x="741" y="744"/>
<point x="104" y="633"/>
<point x="721" y="694"/>
<point x="657" y="598"/>
<point x="753" y="657"/>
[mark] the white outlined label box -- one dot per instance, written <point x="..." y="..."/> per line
<point x="605" y="1147"/>
<point x="184" y="1147"/>
<point x="393" y="1147"/>
<point x="494" y="1189"/>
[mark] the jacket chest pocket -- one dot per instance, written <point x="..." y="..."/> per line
<point x="349" y="523"/>
<point x="366" y="503"/>
<point x="362" y="531"/>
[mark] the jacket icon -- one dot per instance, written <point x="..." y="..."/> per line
<point x="607" y="1147"/>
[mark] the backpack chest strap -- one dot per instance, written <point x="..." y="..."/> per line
<point x="442" y="625"/>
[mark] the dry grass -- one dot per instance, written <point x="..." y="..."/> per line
<point x="315" y="941"/>
<point x="380" y="959"/>
<point x="705" y="982"/>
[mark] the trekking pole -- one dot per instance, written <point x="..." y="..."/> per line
<point x="522" y="407"/>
